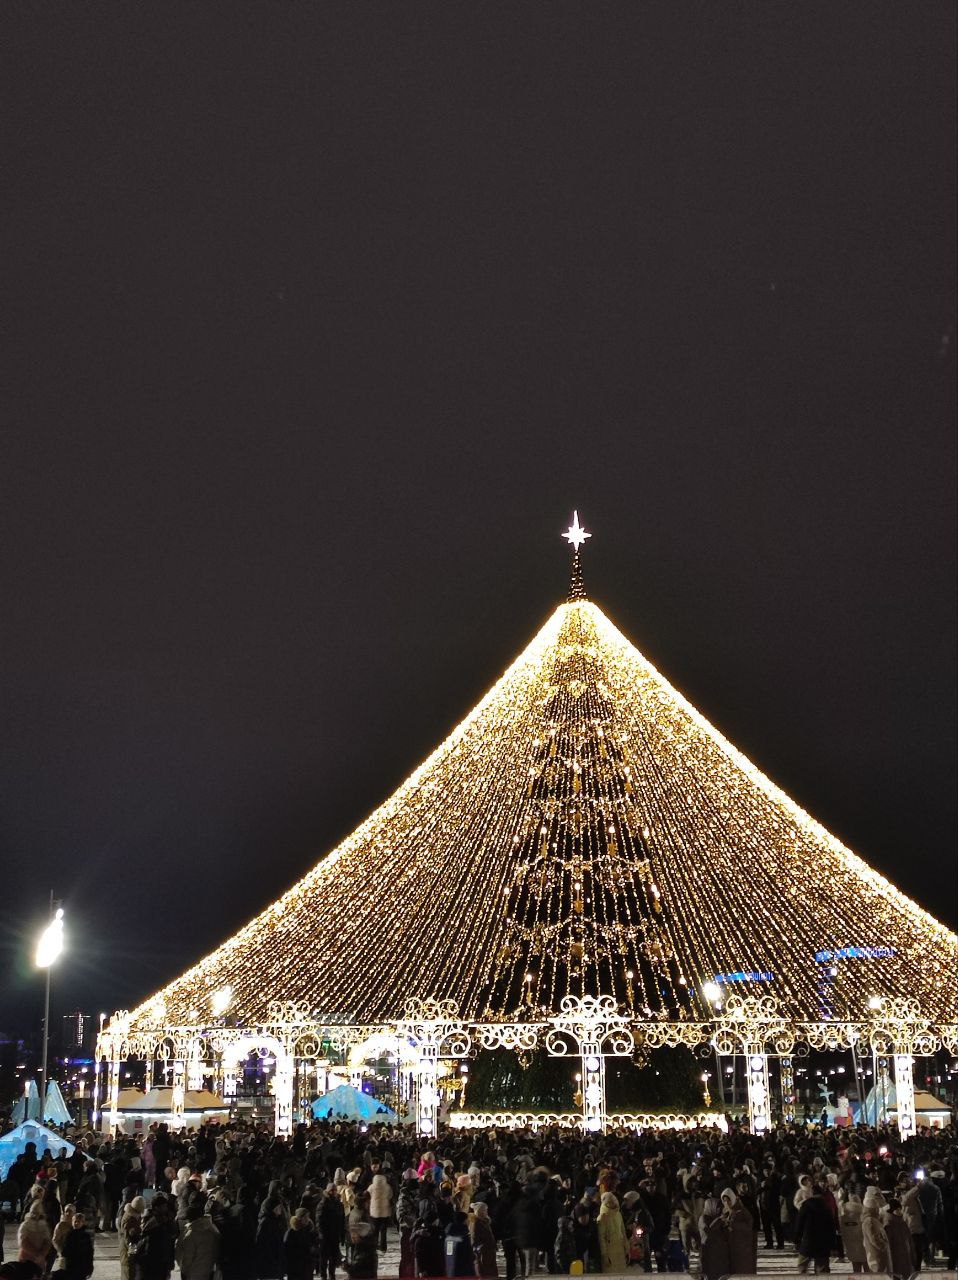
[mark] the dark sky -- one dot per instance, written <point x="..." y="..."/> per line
<point x="317" y="322"/>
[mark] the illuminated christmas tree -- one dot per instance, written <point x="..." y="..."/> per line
<point x="583" y="831"/>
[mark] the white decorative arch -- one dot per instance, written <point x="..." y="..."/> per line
<point x="379" y="1043"/>
<point x="237" y="1050"/>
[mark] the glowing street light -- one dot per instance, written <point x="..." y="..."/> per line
<point x="49" y="949"/>
<point x="50" y="945"/>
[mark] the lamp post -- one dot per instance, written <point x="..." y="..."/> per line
<point x="49" y="947"/>
<point x="713" y="995"/>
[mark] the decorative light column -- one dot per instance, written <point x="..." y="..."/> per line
<point x="178" y="1100"/>
<point x="194" y="1066"/>
<point x="592" y="1027"/>
<point x="787" y="1068"/>
<point x="746" y="1025"/>
<point x="283" y="1093"/>
<point x="229" y="1074"/>
<point x="898" y="1030"/>
<point x="435" y="1031"/>
<point x="758" y="1095"/>
<point x="113" y="1086"/>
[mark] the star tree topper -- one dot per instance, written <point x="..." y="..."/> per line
<point x="575" y="535"/>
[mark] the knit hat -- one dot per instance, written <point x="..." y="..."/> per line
<point x="874" y="1198"/>
<point x="463" y="1182"/>
<point x="410" y="1175"/>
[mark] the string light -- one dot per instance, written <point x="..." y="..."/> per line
<point x="583" y="831"/>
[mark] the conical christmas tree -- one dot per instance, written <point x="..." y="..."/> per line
<point x="583" y="831"/>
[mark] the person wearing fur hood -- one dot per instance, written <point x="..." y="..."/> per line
<point x="850" y="1225"/>
<point x="874" y="1239"/>
<point x="128" y="1232"/>
<point x="804" y="1190"/>
<point x="380" y="1206"/>
<point x="899" y="1241"/>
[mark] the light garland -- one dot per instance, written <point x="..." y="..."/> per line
<point x="583" y="832"/>
<point x="630" y="1120"/>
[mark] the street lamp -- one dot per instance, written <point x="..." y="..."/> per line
<point x="712" y="992"/>
<point x="713" y="995"/>
<point x="49" y="947"/>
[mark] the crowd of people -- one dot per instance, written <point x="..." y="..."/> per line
<point x="237" y="1201"/>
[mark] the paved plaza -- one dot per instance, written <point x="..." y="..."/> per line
<point x="771" y="1262"/>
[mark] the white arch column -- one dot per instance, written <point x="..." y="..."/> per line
<point x="194" y="1066"/>
<point x="283" y="1079"/>
<point x="433" y="1030"/>
<point x="746" y="1025"/>
<point x="899" y="1030"/>
<point x="593" y="1028"/>
<point x="178" y="1101"/>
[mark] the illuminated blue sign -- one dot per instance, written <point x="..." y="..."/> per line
<point x="852" y="953"/>
<point x="744" y="977"/>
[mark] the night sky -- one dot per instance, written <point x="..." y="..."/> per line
<point x="317" y="322"/>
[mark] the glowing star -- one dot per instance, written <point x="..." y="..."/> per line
<point x="576" y="535"/>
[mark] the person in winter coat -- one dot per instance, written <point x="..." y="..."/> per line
<point x="407" y="1211"/>
<point x="803" y="1192"/>
<point x="550" y="1210"/>
<point x="78" y="1251"/>
<point x="198" y="1248"/>
<point x="929" y="1196"/>
<point x="128" y="1233"/>
<point x="613" y="1245"/>
<point x="850" y="1225"/>
<point x="899" y="1241"/>
<point x="298" y="1246"/>
<point x="483" y="1240"/>
<point x="914" y="1219"/>
<point x="770" y="1207"/>
<point x="237" y="1228"/>
<point x="89" y="1195"/>
<point x="362" y="1264"/>
<point x="270" y="1232"/>
<point x="460" y="1260"/>
<point x="586" y="1239"/>
<point x="564" y="1247"/>
<point x="685" y="1213"/>
<point x="949" y="1219"/>
<point x="60" y="1233"/>
<point x="814" y="1232"/>
<point x="380" y="1207"/>
<point x="428" y="1247"/>
<point x="33" y="1243"/>
<point x="877" y="1253"/>
<point x="35" y="1215"/>
<point x="714" y="1258"/>
<point x="462" y="1196"/>
<point x="741" y="1234"/>
<point x="156" y="1251"/>
<point x="504" y="1225"/>
<point x="50" y="1202"/>
<point x="526" y="1218"/>
<point x="149" y="1160"/>
<point x="331" y="1232"/>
